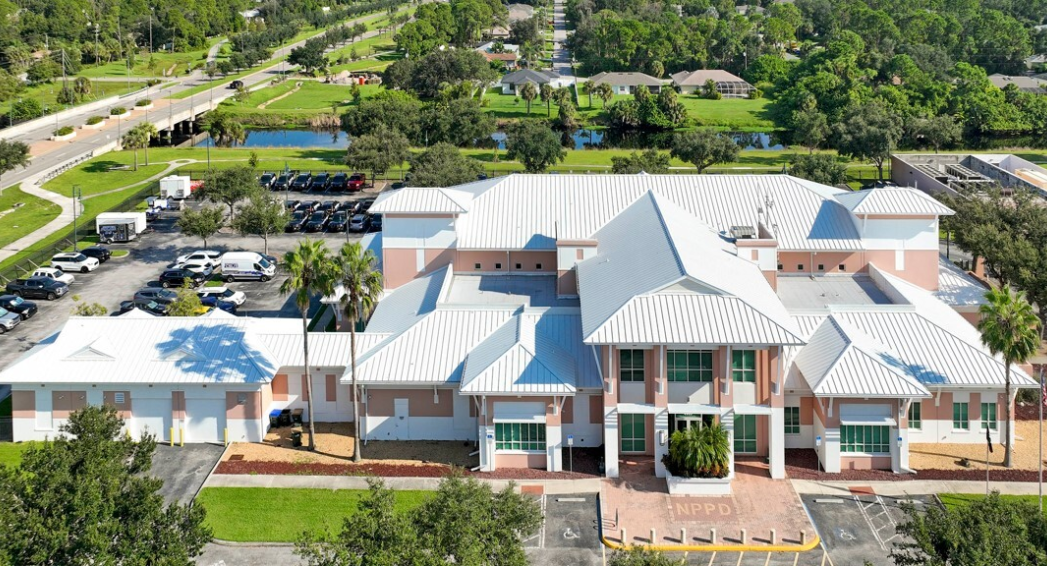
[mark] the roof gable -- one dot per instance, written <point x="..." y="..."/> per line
<point x="902" y="201"/>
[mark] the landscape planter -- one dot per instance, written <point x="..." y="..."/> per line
<point x="119" y="116"/>
<point x="93" y="126"/>
<point x="68" y="136"/>
<point x="698" y="486"/>
<point x="146" y="107"/>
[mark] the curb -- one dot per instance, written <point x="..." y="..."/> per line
<point x="811" y="545"/>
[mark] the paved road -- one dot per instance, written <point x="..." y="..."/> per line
<point x="561" y="57"/>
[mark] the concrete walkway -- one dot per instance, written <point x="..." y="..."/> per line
<point x="914" y="487"/>
<point x="551" y="487"/>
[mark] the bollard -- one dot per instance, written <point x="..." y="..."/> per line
<point x="625" y="539"/>
<point x="712" y="536"/>
<point x="774" y="537"/>
<point x="683" y="536"/>
<point x="171" y="435"/>
<point x="181" y="437"/>
<point x="654" y="537"/>
<point x="743" y="537"/>
<point x="803" y="537"/>
<point x="225" y="437"/>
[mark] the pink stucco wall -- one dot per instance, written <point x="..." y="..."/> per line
<point x="420" y="402"/>
<point x="865" y="462"/>
<point x="535" y="461"/>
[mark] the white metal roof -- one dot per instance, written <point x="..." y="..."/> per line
<point x="431" y="351"/>
<point x="148" y="350"/>
<point x="660" y="276"/>
<point x="516" y="359"/>
<point x="905" y="201"/>
<point x="956" y="287"/>
<point x="407" y="304"/>
<point x="533" y="211"/>
<point x="417" y="200"/>
<point x="841" y="361"/>
<point x="326" y="349"/>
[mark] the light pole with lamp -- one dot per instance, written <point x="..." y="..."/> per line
<point x="77" y="204"/>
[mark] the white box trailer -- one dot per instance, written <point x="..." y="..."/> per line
<point x="176" y="187"/>
<point x="119" y="226"/>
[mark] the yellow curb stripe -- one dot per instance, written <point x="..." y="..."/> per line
<point x="814" y="542"/>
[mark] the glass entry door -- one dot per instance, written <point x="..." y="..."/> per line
<point x="683" y="422"/>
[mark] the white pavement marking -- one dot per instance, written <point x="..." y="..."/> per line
<point x="865" y="514"/>
<point x="571" y="499"/>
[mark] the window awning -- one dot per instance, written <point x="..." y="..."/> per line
<point x="875" y="415"/>
<point x="693" y="409"/>
<point x="519" y="412"/>
<point x="637" y="409"/>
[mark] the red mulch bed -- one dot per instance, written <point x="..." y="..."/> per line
<point x="1027" y="412"/>
<point x="802" y="464"/>
<point x="586" y="465"/>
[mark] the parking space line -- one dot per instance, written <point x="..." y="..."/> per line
<point x="711" y="558"/>
<point x="740" y="555"/>
<point x="541" y="540"/>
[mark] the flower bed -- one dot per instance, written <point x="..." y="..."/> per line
<point x="118" y="113"/>
<point x="698" y="486"/>
<point x="63" y="133"/>
<point x="144" y="104"/>
<point x="93" y="123"/>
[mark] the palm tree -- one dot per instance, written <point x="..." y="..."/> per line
<point x="528" y="92"/>
<point x="361" y="285"/>
<point x="135" y="139"/>
<point x="1009" y="328"/>
<point x="547" y="92"/>
<point x="605" y="92"/>
<point x="309" y="270"/>
<point x="148" y="132"/>
<point x="587" y="88"/>
<point x="82" y="86"/>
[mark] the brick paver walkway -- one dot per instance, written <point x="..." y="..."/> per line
<point x="757" y="505"/>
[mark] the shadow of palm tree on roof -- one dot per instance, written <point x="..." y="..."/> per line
<point x="218" y="352"/>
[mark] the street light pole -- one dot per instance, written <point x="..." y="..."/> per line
<point x="76" y="213"/>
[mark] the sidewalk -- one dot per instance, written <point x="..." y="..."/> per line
<point x="550" y="487"/>
<point x="915" y="487"/>
<point x="63" y="220"/>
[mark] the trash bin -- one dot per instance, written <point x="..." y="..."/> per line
<point x="296" y="417"/>
<point x="274" y="418"/>
<point x="296" y="438"/>
<point x="285" y="417"/>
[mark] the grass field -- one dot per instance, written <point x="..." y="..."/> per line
<point x="320" y="96"/>
<point x="281" y="515"/>
<point x="957" y="499"/>
<point x="98" y="175"/>
<point x="33" y="213"/>
<point x="510" y="106"/>
<point x="11" y="453"/>
<point x="164" y="61"/>
<point x="734" y="114"/>
<point x="47" y="93"/>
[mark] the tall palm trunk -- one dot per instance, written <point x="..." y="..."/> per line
<point x="146" y="147"/>
<point x="1007" y="452"/>
<point x="136" y="159"/>
<point x="308" y="379"/>
<point x="357" y="456"/>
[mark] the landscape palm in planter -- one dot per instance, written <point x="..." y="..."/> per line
<point x="703" y="452"/>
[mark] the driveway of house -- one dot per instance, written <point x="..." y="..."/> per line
<point x="184" y="469"/>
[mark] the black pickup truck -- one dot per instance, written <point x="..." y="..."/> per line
<point x="38" y="288"/>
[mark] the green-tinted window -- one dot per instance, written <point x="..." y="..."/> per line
<point x="960" y="419"/>
<point x="792" y="420"/>
<point x="634" y="433"/>
<point x="865" y="439"/>
<point x="743" y="366"/>
<point x="745" y="434"/>
<point x="520" y="436"/>
<point x="915" y="420"/>
<point x="630" y="365"/>
<point x="687" y="365"/>
<point x="989" y="415"/>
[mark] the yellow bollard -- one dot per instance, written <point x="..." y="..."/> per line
<point x="171" y="435"/>
<point x="226" y="437"/>
<point x="181" y="436"/>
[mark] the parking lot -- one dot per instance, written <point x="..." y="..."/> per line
<point x="117" y="279"/>
<point x="860" y="527"/>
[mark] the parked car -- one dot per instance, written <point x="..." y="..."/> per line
<point x="339" y="221"/>
<point x="236" y="85"/>
<point x="297" y="222"/>
<point x="340" y="182"/>
<point x="158" y="294"/>
<point x="346" y="205"/>
<point x="247" y="265"/>
<point x="359" y="223"/>
<point x="320" y="182"/>
<point x="357" y="181"/>
<point x="302" y="181"/>
<point x="272" y="260"/>
<point x="283" y="181"/>
<point x="317" y="222"/>
<point x="38" y="288"/>
<point x="223" y="293"/>
<point x="54" y="273"/>
<point x="398" y="185"/>
<point x="25" y="309"/>
<point x="365" y="204"/>
<point x="176" y="278"/>
<point x="8" y="320"/>
<point x="328" y="206"/>
<point x="376" y="222"/>
<point x="215" y="302"/>
<point x="149" y="307"/>
<point x="74" y="262"/>
<point x="290" y="205"/>
<point x="102" y="254"/>
<point x="204" y="269"/>
<point x="266" y="180"/>
<point x="210" y="257"/>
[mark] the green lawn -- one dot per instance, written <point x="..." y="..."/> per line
<point x="956" y="499"/>
<point x="47" y="93"/>
<point x="248" y="514"/>
<point x="734" y="114"/>
<point x="11" y="453"/>
<point x="320" y="96"/>
<point x="99" y="176"/>
<point x="510" y="106"/>
<point x="164" y="61"/>
<point x="15" y="223"/>
<point x="375" y="64"/>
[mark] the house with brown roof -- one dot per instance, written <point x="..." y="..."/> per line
<point x="727" y="84"/>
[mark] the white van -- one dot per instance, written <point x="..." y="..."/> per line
<point x="246" y="265"/>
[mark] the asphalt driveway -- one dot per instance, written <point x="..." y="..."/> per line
<point x="184" y="469"/>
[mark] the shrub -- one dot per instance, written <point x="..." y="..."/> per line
<point x="64" y="131"/>
<point x="117" y="110"/>
<point x="144" y="102"/>
<point x="94" y="120"/>
<point x="153" y="82"/>
<point x="703" y="452"/>
<point x="755" y="94"/>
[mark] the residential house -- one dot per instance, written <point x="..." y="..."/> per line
<point x="1031" y="85"/>
<point x="510" y="83"/>
<point x="727" y="84"/>
<point x="507" y="54"/>
<point x="626" y="83"/>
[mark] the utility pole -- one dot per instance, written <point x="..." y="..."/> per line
<point x="150" y="31"/>
<point x="98" y="61"/>
<point x="76" y="213"/>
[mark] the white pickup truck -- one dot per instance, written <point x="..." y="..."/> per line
<point x="54" y="273"/>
